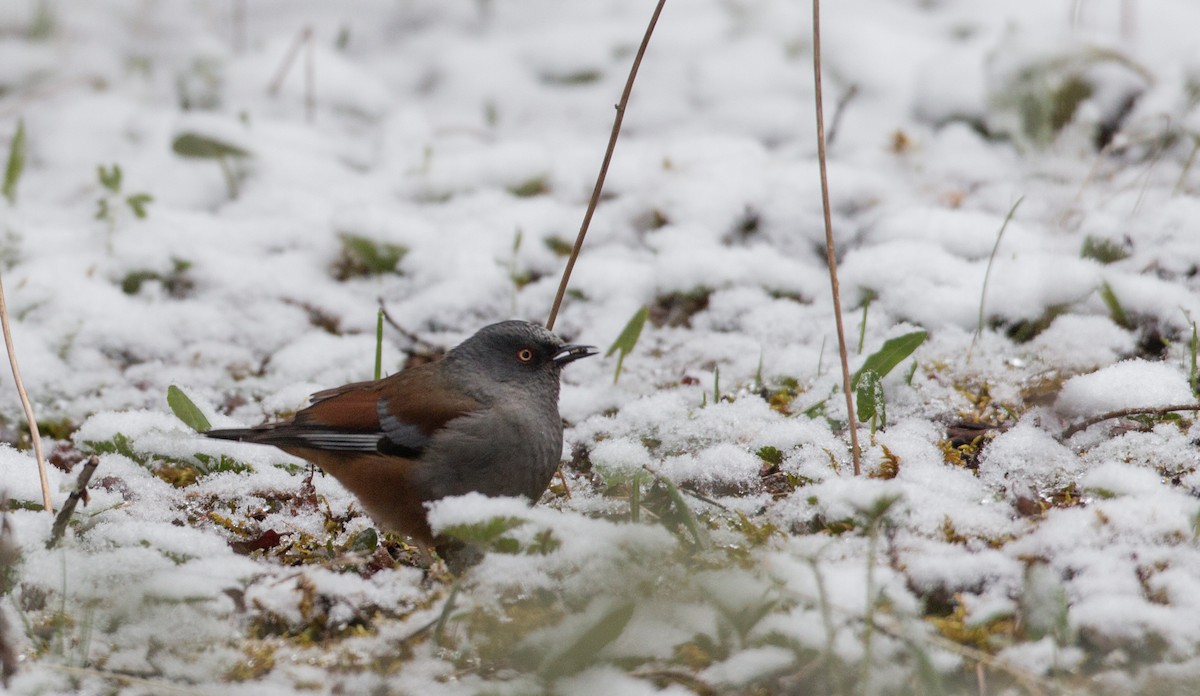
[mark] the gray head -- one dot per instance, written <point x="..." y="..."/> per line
<point x="516" y="352"/>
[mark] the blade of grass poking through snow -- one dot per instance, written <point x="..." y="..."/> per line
<point x="1115" y="310"/>
<point x="608" y="153"/>
<point x="1193" y="375"/>
<point x="16" y="163"/>
<point x="582" y="653"/>
<point x="876" y="518"/>
<point x="892" y="353"/>
<point x="635" y="498"/>
<point x="988" y="272"/>
<point x="699" y="534"/>
<point x="34" y="436"/>
<point x="830" y="251"/>
<point x="379" y="345"/>
<point x="628" y="339"/>
<point x="186" y="411"/>
<point x="862" y="329"/>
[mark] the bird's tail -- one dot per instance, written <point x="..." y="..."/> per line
<point x="238" y="434"/>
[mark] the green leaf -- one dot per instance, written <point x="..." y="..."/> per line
<point x="109" y="178"/>
<point x="488" y="532"/>
<point x="198" y="146"/>
<point x="138" y="202"/>
<point x="870" y="399"/>
<point x="628" y="338"/>
<point x="185" y="410"/>
<point x="16" y="163"/>
<point x="893" y="352"/>
<point x="582" y="652"/>
<point x="366" y="541"/>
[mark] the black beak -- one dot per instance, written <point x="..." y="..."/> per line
<point x="571" y="353"/>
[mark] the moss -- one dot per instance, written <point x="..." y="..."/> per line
<point x="363" y="257"/>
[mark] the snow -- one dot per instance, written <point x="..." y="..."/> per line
<point x="1127" y="384"/>
<point x="468" y="134"/>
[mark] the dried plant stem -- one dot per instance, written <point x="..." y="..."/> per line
<point x="839" y="111"/>
<point x="612" y="144"/>
<point x="303" y="40"/>
<point x="830" y="252"/>
<point x="310" y="76"/>
<point x="34" y="436"/>
<point x="152" y="685"/>
<point x="68" y="509"/>
<point x="1121" y="413"/>
<point x="987" y="274"/>
<point x="239" y="26"/>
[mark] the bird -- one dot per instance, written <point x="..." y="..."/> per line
<point x="483" y="418"/>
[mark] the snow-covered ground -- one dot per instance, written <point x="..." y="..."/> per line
<point x="439" y="164"/>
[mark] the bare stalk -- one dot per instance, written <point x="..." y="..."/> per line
<point x="830" y="252"/>
<point x="34" y="436"/>
<point x="1141" y="411"/>
<point x="285" y="66"/>
<point x="68" y="509"/>
<point x="612" y="144"/>
<point x="987" y="274"/>
<point x="310" y="76"/>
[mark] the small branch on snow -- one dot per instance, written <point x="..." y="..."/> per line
<point x="612" y="144"/>
<point x="831" y="253"/>
<point x="34" y="436"/>
<point x="1122" y="413"/>
<point x="303" y="39"/>
<point x="68" y="508"/>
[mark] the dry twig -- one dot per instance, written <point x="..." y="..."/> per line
<point x="1121" y="413"/>
<point x="34" y="436"/>
<point x="612" y="144"/>
<point x="68" y="508"/>
<point x="303" y="39"/>
<point x="830" y="252"/>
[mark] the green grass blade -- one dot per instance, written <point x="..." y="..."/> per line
<point x="582" y="652"/>
<point x="628" y="338"/>
<point x="379" y="344"/>
<point x="16" y="163"/>
<point x="987" y="274"/>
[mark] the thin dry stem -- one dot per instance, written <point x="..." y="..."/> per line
<point x="68" y="509"/>
<point x="34" y="436"/>
<point x="830" y="252"/>
<point x="239" y="26"/>
<point x="285" y="66"/>
<point x="612" y="144"/>
<point x="157" y="686"/>
<point x="987" y="274"/>
<point x="839" y="111"/>
<point x="1121" y="413"/>
<point x="310" y="76"/>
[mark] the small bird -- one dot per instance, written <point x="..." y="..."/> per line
<point x="482" y="419"/>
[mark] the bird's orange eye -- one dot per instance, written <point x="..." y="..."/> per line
<point x="525" y="355"/>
